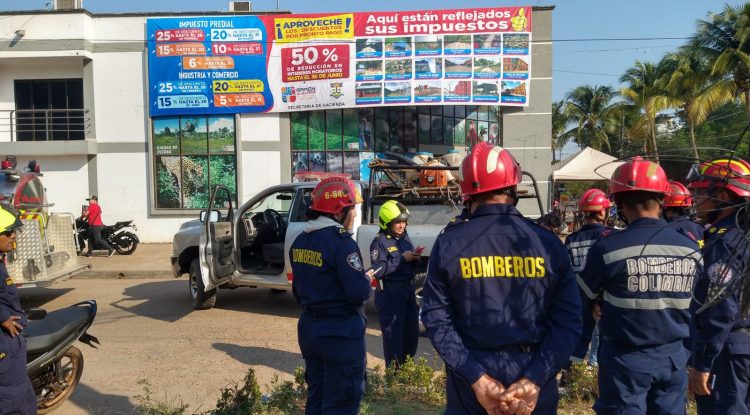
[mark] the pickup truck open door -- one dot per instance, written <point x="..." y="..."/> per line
<point x="217" y="240"/>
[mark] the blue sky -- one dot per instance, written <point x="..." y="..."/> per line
<point x="575" y="61"/>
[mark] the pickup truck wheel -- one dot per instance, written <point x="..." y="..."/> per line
<point x="200" y="299"/>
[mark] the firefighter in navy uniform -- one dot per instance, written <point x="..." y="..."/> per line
<point x="720" y="377"/>
<point x="644" y="278"/>
<point x="393" y="257"/>
<point x="677" y="205"/>
<point x="594" y="205"/>
<point x="331" y="286"/>
<point x="16" y="393"/>
<point x="500" y="303"/>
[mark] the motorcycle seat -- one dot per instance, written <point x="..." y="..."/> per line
<point x="43" y="335"/>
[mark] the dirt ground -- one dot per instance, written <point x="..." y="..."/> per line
<point x="148" y="330"/>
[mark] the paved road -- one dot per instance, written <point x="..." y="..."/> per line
<point x="149" y="331"/>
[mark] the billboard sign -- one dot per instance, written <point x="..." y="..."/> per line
<point x="277" y="63"/>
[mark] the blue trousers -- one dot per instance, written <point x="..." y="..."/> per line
<point x="17" y="397"/>
<point x="399" y="322"/>
<point x="506" y="367"/>
<point x="730" y="391"/>
<point x="640" y="381"/>
<point x="334" y="353"/>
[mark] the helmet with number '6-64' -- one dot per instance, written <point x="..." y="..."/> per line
<point x="594" y="200"/>
<point x="334" y="194"/>
<point x="488" y="168"/>
<point x="638" y="175"/>
<point x="678" y="196"/>
<point x="731" y="174"/>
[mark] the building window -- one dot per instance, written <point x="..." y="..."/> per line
<point x="191" y="155"/>
<point x="49" y="109"/>
<point x="341" y="141"/>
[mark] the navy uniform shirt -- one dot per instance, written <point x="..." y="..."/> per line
<point x="579" y="242"/>
<point x="645" y="275"/>
<point x="688" y="227"/>
<point x="499" y="280"/>
<point x="328" y="277"/>
<point x="10" y="302"/>
<point x="386" y="256"/>
<point x="726" y="256"/>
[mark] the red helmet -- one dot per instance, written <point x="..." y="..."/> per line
<point x="594" y="200"/>
<point x="732" y="174"/>
<point x="638" y="175"/>
<point x="678" y="195"/>
<point x="488" y="168"/>
<point x="334" y="194"/>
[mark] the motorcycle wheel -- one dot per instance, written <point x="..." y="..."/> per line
<point x="125" y="244"/>
<point x="66" y="374"/>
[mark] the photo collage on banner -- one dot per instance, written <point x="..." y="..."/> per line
<point x="442" y="68"/>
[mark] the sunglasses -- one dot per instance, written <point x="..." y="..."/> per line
<point x="8" y="233"/>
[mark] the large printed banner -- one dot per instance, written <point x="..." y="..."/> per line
<point x="276" y="63"/>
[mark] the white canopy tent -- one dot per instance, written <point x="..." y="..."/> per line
<point x="587" y="165"/>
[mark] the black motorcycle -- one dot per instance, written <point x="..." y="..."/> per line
<point x="54" y="363"/>
<point x="118" y="236"/>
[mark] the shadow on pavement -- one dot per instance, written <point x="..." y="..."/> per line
<point x="37" y="297"/>
<point x="96" y="403"/>
<point x="165" y="300"/>
<point x="278" y="360"/>
<point x="258" y="301"/>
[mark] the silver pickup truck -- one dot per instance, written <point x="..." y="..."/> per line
<point x="247" y="246"/>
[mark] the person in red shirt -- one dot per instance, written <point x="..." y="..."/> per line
<point x="94" y="218"/>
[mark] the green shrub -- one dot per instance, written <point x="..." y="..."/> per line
<point x="240" y="399"/>
<point x="148" y="406"/>
<point x="582" y="386"/>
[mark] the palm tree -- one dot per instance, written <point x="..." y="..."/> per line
<point x="560" y="121"/>
<point x="725" y="40"/>
<point x="591" y="108"/>
<point x="640" y="92"/>
<point x="685" y="82"/>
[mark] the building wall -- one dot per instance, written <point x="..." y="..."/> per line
<point x="527" y="133"/>
<point x="115" y="161"/>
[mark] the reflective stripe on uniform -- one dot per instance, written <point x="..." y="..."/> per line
<point x="580" y="244"/>
<point x="651" y="250"/>
<point x="586" y="290"/>
<point x="647" y="303"/>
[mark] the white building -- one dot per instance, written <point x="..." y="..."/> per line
<point x="74" y="96"/>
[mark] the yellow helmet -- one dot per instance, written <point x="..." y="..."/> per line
<point x="9" y="220"/>
<point x="390" y="211"/>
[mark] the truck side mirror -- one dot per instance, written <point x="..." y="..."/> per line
<point x="213" y="218"/>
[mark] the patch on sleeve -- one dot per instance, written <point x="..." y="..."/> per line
<point x="9" y="281"/>
<point x="354" y="261"/>
<point x="374" y="255"/>
<point x="720" y="273"/>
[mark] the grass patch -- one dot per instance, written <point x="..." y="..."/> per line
<point x="415" y="389"/>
